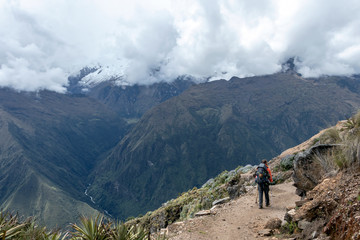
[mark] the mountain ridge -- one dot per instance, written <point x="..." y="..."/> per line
<point x="212" y="127"/>
<point x="58" y="144"/>
<point x="50" y="142"/>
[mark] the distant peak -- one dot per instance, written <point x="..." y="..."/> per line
<point x="289" y="66"/>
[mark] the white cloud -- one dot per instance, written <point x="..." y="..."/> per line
<point x="42" y="41"/>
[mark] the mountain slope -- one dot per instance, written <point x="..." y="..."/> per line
<point x="130" y="102"/>
<point x="211" y="127"/>
<point x="49" y="143"/>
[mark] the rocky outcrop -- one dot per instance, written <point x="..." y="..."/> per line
<point x="235" y="187"/>
<point x="310" y="168"/>
<point x="332" y="208"/>
<point x="203" y="213"/>
<point x="327" y="176"/>
<point x="221" y="201"/>
<point x="161" y="218"/>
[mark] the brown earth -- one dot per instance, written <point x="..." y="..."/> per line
<point x="238" y="219"/>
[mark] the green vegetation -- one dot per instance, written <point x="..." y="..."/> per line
<point x="315" y="141"/>
<point x="349" y="150"/>
<point x="347" y="140"/>
<point x="189" y="203"/>
<point x="340" y="160"/>
<point x="330" y="136"/>
<point x="353" y="122"/>
<point x="290" y="228"/>
<point x="286" y="163"/>
<point x="11" y="227"/>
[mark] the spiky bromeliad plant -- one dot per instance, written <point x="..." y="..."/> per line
<point x="91" y="229"/>
<point x="11" y="228"/>
<point x="122" y="232"/>
<point x="100" y="229"/>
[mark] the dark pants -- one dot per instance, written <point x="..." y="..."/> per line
<point x="263" y="188"/>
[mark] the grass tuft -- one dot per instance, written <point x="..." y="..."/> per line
<point x="330" y="136"/>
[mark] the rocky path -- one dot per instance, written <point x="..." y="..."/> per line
<point x="238" y="219"/>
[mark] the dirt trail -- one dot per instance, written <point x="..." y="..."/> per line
<point x="238" y="219"/>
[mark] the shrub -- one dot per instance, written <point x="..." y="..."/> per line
<point x="90" y="229"/>
<point x="330" y="136"/>
<point x="290" y="228"/>
<point x="315" y="140"/>
<point x="341" y="160"/>
<point x="121" y="232"/>
<point x="287" y="163"/>
<point x="11" y="227"/>
<point x="356" y="119"/>
<point x="326" y="160"/>
<point x="221" y="179"/>
<point x="351" y="152"/>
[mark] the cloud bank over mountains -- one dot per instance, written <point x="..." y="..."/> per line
<point x="43" y="42"/>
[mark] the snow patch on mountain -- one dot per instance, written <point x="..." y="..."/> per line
<point x="115" y="73"/>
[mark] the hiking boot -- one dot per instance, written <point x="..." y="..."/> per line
<point x="260" y="207"/>
<point x="268" y="205"/>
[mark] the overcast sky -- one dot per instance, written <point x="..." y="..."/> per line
<point x="42" y="42"/>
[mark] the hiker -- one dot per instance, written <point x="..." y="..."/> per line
<point x="263" y="179"/>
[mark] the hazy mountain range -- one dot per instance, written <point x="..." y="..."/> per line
<point x="133" y="147"/>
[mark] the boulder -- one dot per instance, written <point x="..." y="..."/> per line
<point x="265" y="232"/>
<point x="289" y="216"/>
<point x="311" y="230"/>
<point x="221" y="201"/>
<point x="309" y="168"/>
<point x="274" y="223"/>
<point x="282" y="176"/>
<point x="163" y="217"/>
<point x="203" y="213"/>
<point x="235" y="187"/>
<point x="317" y="208"/>
<point x="158" y="222"/>
<point x="236" y="191"/>
<point x="288" y="208"/>
<point x="303" y="224"/>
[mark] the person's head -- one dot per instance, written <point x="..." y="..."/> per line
<point x="264" y="161"/>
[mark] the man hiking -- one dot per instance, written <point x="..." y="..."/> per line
<point x="263" y="179"/>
